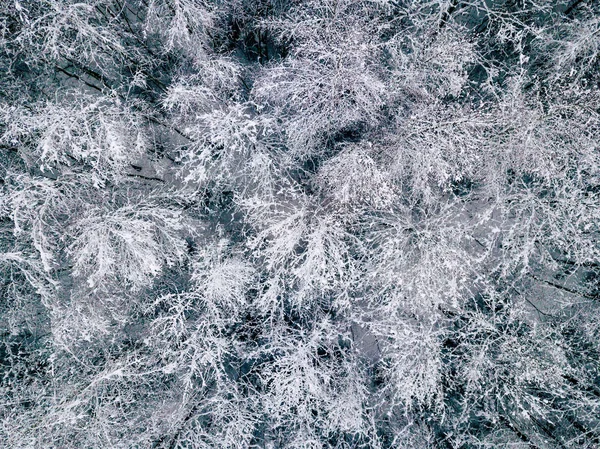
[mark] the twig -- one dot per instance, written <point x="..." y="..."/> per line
<point x="562" y="287"/>
<point x="149" y="178"/>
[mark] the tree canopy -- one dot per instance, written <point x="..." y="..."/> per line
<point x="303" y="224"/>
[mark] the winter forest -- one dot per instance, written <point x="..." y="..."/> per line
<point x="299" y="224"/>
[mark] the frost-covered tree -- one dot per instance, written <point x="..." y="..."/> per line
<point x="300" y="224"/>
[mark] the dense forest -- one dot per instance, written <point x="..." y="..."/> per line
<point x="303" y="224"/>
